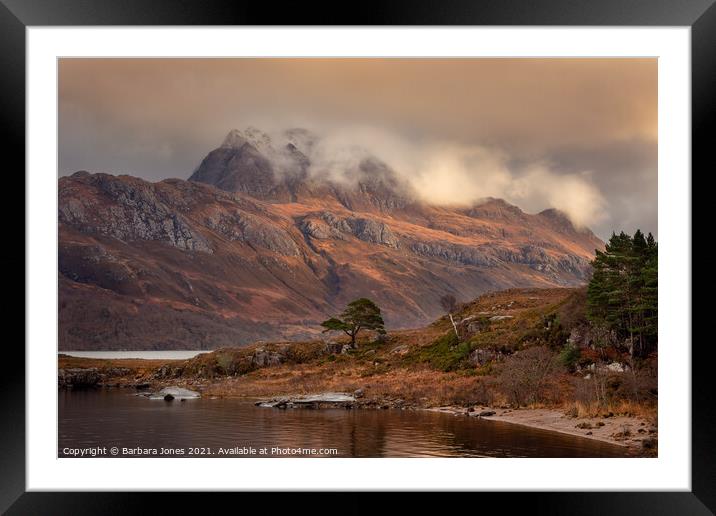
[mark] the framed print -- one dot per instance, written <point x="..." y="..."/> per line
<point x="416" y="253"/>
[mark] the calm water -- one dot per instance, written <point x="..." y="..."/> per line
<point x="162" y="355"/>
<point x="107" y="418"/>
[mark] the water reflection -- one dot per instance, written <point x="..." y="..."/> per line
<point x="116" y="418"/>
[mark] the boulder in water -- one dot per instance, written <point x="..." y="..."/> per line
<point x="176" y="393"/>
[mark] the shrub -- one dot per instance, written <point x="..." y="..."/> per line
<point x="224" y="362"/>
<point x="525" y="376"/>
<point x="302" y="352"/>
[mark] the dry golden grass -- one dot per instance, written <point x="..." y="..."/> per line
<point x="628" y="408"/>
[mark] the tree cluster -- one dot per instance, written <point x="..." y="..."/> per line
<point x="623" y="293"/>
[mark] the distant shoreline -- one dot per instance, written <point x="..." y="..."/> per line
<point x="178" y="354"/>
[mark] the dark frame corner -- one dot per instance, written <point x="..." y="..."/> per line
<point x="16" y="15"/>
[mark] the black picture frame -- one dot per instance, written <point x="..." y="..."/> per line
<point x="16" y="15"/>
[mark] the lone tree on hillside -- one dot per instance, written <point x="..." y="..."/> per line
<point x="361" y="314"/>
<point x="449" y="304"/>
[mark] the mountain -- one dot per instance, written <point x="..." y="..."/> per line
<point x="249" y="162"/>
<point x="257" y="244"/>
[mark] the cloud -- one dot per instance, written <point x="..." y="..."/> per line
<point x="446" y="173"/>
<point x="574" y="194"/>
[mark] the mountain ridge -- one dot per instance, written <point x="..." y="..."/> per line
<point x="252" y="248"/>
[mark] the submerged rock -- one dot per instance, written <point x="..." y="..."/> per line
<point x="327" y="397"/>
<point x="275" y="403"/>
<point x="322" y="400"/>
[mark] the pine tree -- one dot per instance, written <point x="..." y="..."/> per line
<point x="361" y="314"/>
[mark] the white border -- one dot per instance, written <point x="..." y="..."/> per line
<point x="671" y="471"/>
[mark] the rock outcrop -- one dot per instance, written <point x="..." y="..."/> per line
<point x="78" y="378"/>
<point x="326" y="225"/>
<point x="125" y="208"/>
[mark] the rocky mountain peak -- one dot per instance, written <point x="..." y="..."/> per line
<point x="492" y="208"/>
<point x="251" y="135"/>
<point x="278" y="170"/>
<point x="234" y="140"/>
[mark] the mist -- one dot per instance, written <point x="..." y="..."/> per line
<point x="445" y="173"/>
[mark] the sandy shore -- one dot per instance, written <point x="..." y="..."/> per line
<point x="619" y="430"/>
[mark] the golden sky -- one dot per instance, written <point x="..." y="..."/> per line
<point x="588" y="120"/>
